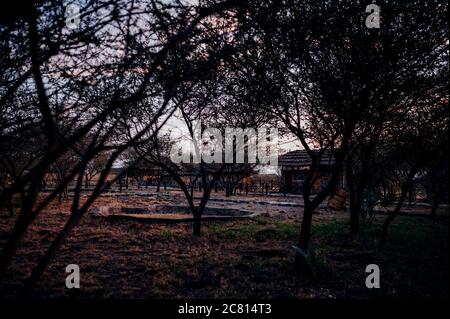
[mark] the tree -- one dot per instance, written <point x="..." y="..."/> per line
<point x="88" y="82"/>
<point x="335" y="83"/>
<point x="421" y="140"/>
<point x="437" y="180"/>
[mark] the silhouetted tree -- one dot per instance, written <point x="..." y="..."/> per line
<point x="335" y="83"/>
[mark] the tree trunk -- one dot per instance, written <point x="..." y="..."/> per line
<point x="197" y="226"/>
<point x="355" y="208"/>
<point x="49" y="254"/>
<point x="404" y="192"/>
<point x="301" y="263"/>
<point x="435" y="205"/>
<point x="305" y="232"/>
<point x="10" y="246"/>
<point x="10" y="206"/>
<point x="357" y="191"/>
<point x="355" y="211"/>
<point x="25" y="218"/>
<point x="197" y="214"/>
<point x="22" y="223"/>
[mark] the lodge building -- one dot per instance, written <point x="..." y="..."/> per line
<point x="294" y="166"/>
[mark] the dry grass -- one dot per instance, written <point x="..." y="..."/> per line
<point x="239" y="259"/>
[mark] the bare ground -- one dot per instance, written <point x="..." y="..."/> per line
<point x="238" y="259"/>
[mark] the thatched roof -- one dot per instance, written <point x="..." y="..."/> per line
<point x="301" y="158"/>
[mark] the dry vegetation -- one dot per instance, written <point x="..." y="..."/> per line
<point x="250" y="258"/>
